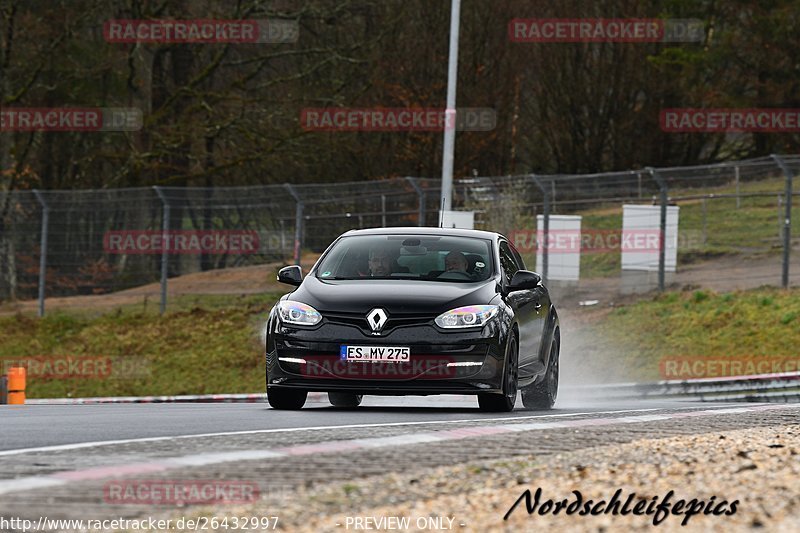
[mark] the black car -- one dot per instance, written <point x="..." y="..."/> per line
<point x="397" y="311"/>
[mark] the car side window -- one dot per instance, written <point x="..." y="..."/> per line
<point x="517" y="257"/>
<point x="507" y="261"/>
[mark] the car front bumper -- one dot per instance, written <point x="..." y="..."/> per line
<point x="441" y="362"/>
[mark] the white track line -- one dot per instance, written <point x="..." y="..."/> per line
<point x="205" y="459"/>
<point x="80" y="445"/>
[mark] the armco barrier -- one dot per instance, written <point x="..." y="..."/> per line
<point x="778" y="387"/>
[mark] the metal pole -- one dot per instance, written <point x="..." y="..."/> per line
<point x="383" y="210"/>
<point x="298" y="222"/>
<point x="43" y="247"/>
<point x="738" y="198"/>
<point x="663" y="191"/>
<point x="705" y="221"/>
<point x="450" y="112"/>
<point x="164" y="247"/>
<point x="787" y="220"/>
<point x="421" y="194"/>
<point x="639" y="179"/>
<point x="546" y="222"/>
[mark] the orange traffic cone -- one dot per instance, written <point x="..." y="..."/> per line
<point x="16" y="385"/>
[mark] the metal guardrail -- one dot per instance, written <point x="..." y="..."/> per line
<point x="779" y="387"/>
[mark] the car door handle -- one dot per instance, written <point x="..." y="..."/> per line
<point x="538" y="306"/>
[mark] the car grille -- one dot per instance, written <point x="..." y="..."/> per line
<point x="394" y="321"/>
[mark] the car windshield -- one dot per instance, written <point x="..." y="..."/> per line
<point x="449" y="259"/>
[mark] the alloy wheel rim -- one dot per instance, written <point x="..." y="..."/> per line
<point x="553" y="374"/>
<point x="511" y="392"/>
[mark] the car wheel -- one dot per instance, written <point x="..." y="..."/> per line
<point x="345" y="399"/>
<point x="543" y="395"/>
<point x="286" y="398"/>
<point x="504" y="402"/>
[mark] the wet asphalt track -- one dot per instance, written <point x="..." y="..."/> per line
<point x="32" y="426"/>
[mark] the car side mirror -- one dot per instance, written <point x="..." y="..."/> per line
<point x="523" y="280"/>
<point x="291" y="275"/>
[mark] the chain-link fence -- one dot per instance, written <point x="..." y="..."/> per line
<point x="724" y="226"/>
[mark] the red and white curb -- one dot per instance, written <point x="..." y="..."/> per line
<point x="257" y="397"/>
<point x="132" y="469"/>
<point x="186" y="398"/>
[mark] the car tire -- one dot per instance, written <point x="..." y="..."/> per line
<point x="286" y="399"/>
<point x="345" y="400"/>
<point x="542" y="395"/>
<point x="504" y="402"/>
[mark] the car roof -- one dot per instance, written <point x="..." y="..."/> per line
<point x="423" y="230"/>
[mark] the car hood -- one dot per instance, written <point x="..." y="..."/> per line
<point x="395" y="296"/>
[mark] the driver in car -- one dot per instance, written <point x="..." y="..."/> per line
<point x="455" y="262"/>
<point x="381" y="262"/>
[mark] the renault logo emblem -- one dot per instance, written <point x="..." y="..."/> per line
<point x="376" y="319"/>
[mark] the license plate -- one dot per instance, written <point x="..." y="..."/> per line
<point x="391" y="354"/>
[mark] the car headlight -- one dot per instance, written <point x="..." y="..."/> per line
<point x="298" y="313"/>
<point x="466" y="317"/>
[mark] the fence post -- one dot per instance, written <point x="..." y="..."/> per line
<point x="43" y="247"/>
<point x="705" y="220"/>
<point x="164" y="246"/>
<point x="383" y="210"/>
<point x="298" y="222"/>
<point x="421" y="194"/>
<point x="639" y="180"/>
<point x="546" y="220"/>
<point x="738" y="193"/>
<point x="787" y="221"/>
<point x="662" y="244"/>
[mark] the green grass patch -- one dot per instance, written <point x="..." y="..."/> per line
<point x="746" y="325"/>
<point x="213" y="347"/>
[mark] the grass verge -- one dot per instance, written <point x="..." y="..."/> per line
<point x="635" y="340"/>
<point x="214" y="345"/>
<point x="211" y="347"/>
